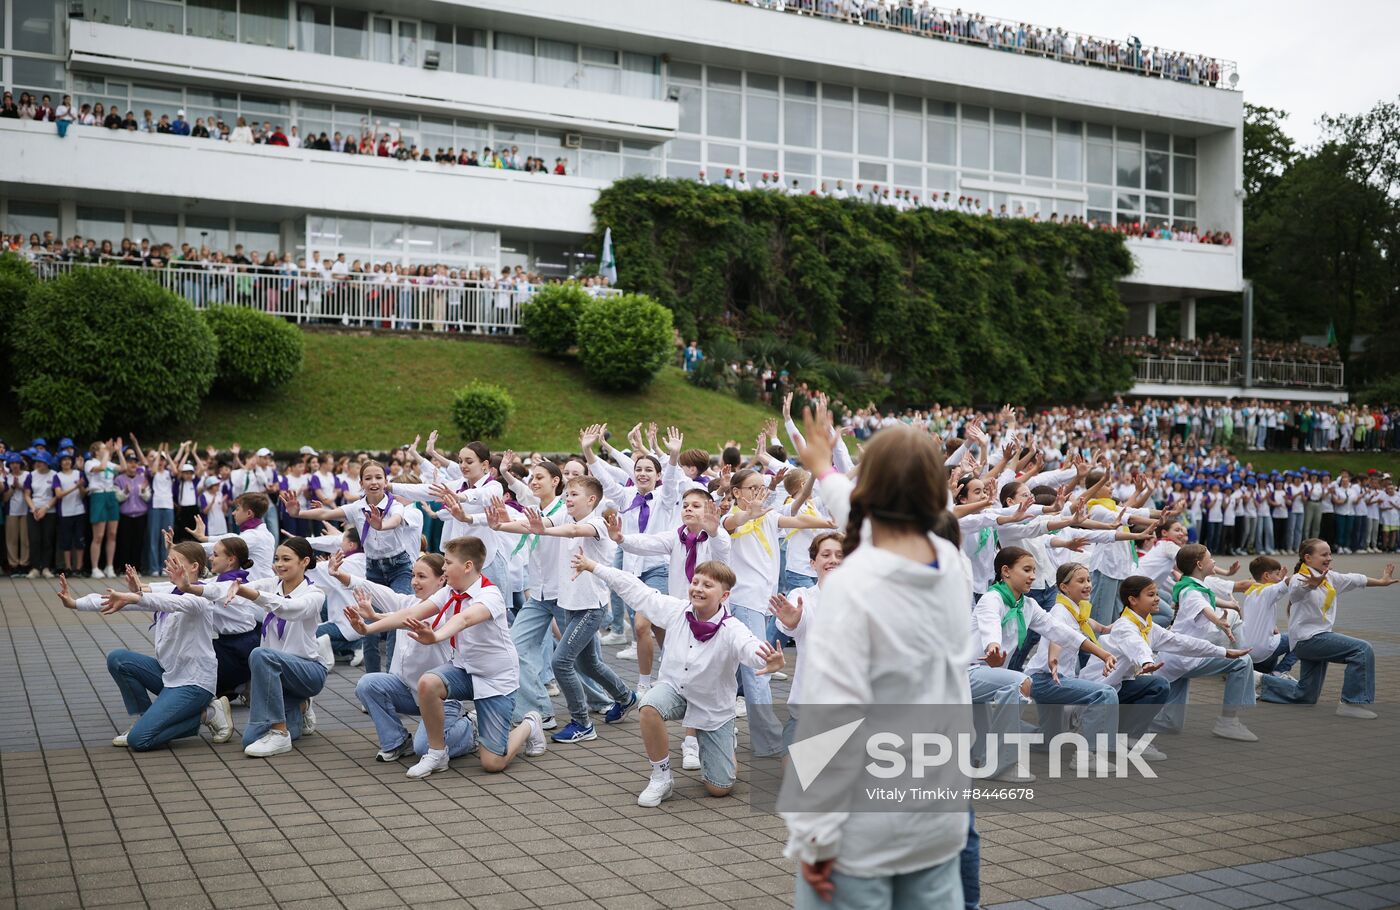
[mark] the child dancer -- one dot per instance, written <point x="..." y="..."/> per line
<point x="697" y="671"/>
<point x="249" y="510"/>
<point x="1312" y="596"/>
<point x="337" y="634"/>
<point x="1267" y="648"/>
<point x="796" y="612"/>
<point x="286" y="674"/>
<point x="182" y="673"/>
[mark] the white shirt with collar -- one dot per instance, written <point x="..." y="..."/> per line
<point x="387" y="544"/>
<point x="261" y="546"/>
<point x="588" y="591"/>
<point x="184" y="632"/>
<point x="484" y="650"/>
<point x="290" y="619"/>
<point x="990" y="625"/>
<point x="1314" y="610"/>
<point x="669" y="546"/>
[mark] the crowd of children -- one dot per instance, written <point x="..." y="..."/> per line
<point x="936" y="570"/>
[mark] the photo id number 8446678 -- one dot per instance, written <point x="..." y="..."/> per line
<point x="999" y="793"/>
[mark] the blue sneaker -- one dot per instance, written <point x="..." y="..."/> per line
<point x="575" y="733"/>
<point x="620" y="709"/>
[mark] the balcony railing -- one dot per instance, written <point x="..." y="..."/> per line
<point x="427" y="305"/>
<point x="1265" y="373"/>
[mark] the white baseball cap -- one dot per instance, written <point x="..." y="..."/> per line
<point x="263" y="452"/>
<point x="186" y="467"/>
<point x="307" y="450"/>
<point x="180" y="113"/>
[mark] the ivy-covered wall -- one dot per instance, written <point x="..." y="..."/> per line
<point x="952" y="308"/>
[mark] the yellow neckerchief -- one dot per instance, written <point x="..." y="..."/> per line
<point x="1143" y="626"/>
<point x="1329" y="601"/>
<point x="1256" y="588"/>
<point x="1080" y="612"/>
<point x="807" y="509"/>
<point x="753" y="526"/>
<point x="1108" y="502"/>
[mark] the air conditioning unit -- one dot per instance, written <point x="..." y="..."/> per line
<point x="573" y="141"/>
<point x="431" y="59"/>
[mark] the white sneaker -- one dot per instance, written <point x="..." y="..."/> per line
<point x="1152" y="753"/>
<point x="308" y="719"/>
<point x="1013" y="775"/>
<point x="273" y="742"/>
<point x="33" y="573"/>
<point x="740" y="708"/>
<point x="643" y="688"/>
<point x="1357" y="711"/>
<point x="690" y="754"/>
<point x="1258" y="684"/>
<point x="536" y="744"/>
<point x="97" y="573"/>
<point x="324" y="653"/>
<point x="549" y="723"/>
<point x="120" y="740"/>
<point x="779" y="675"/>
<point x="436" y="760"/>
<point x="613" y="638"/>
<point x="552" y="688"/>
<point x="658" y="789"/>
<point x="361" y="705"/>
<point x="48" y="573"/>
<point x="220" y="722"/>
<point x="109" y="572"/>
<point x="402" y="750"/>
<point x="359" y="657"/>
<point x="1231" y="728"/>
<point x="628" y="653"/>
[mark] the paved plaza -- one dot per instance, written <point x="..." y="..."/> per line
<point x="88" y="825"/>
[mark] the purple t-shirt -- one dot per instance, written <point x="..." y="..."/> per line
<point x="133" y="505"/>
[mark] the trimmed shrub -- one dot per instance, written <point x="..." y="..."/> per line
<point x="550" y="318"/>
<point x="624" y="341"/>
<point x="58" y="406"/>
<point x="257" y="352"/>
<point x="16" y="282"/>
<point x="481" y="410"/>
<point x="142" y="353"/>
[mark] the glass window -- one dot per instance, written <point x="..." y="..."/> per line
<point x="597" y="78"/>
<point x="1100" y="163"/>
<point x="723" y="111"/>
<point x="691" y="110"/>
<point x="762" y="84"/>
<point x="320" y="231"/>
<point x="1129" y="202"/>
<point x="874" y="129"/>
<point x="355" y="232"/>
<point x="836" y="168"/>
<point x="1157" y="205"/>
<point x="422" y="238"/>
<point x="942" y="136"/>
<point x="908" y="104"/>
<point x="557" y="63"/>
<point x="681" y="170"/>
<point x="258" y="235"/>
<point x="725" y="78"/>
<point x="514" y="57"/>
<point x="381" y="40"/>
<point x="1129" y="137"/>
<point x="1158" y="177"/>
<point x="724" y="154"/>
<point x="641" y="75"/>
<point x="640" y="167"/>
<point x="940" y="180"/>
<point x="908" y="137"/>
<point x="36" y="26"/>
<point x="799" y="163"/>
<point x="211" y="19"/>
<point x="600" y="165"/>
<point x="157" y="94"/>
<point x="838" y="123"/>
<point x="213" y="232"/>
<point x="263" y="22"/>
<point x="265" y="107"/>
<point x="350" y="33"/>
<point x="799" y="88"/>
<point x="681" y="71"/>
<point x="1159" y="142"/>
<point x="684" y="149"/>
<point x="471" y="51"/>
<point x="1185" y="146"/>
<point x="974" y="145"/>
<point x="112" y="12"/>
<point x="437" y="134"/>
<point x="40" y="74"/>
<point x="876" y="100"/>
<point x="102" y="224"/>
<point x="841" y="94"/>
<point x="1099" y="215"/>
<point x="1183" y="208"/>
<point x="799" y="122"/>
<point x="1035" y="123"/>
<point x="387" y="235"/>
<point x="408" y="43"/>
<point x="157" y="227"/>
<point x="1099" y="198"/>
<point x="1007" y="118"/>
<point x="948" y="110"/>
<point x="975" y="114"/>
<point x="1129" y="167"/>
<point x="759" y="159"/>
<point x="908" y="175"/>
<point x="455" y="241"/>
<point x="437" y="36"/>
<point x="875" y="171"/>
<point x="1099" y="131"/>
<point x="161" y="16"/>
<point x="600" y="55"/>
<point x="1007" y="153"/>
<point x="762" y="116"/>
<point x="1039" y="154"/>
<point x="314" y="28"/>
<point x="1184" y="176"/>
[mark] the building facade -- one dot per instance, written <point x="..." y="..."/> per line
<point x="614" y="88"/>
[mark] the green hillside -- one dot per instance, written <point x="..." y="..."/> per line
<point x="372" y="391"/>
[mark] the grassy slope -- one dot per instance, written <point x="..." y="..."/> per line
<point x="375" y="391"/>
<point x="1356" y="462"/>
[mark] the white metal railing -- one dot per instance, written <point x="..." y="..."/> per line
<point x="1023" y="38"/>
<point x="437" y="305"/>
<point x="1195" y="371"/>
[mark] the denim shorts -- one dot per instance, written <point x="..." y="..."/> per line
<point x="492" y="713"/>
<point x="716" y="746"/>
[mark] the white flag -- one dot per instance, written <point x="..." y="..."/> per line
<point x="607" y="265"/>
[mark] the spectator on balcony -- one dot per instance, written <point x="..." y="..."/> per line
<point x="130" y="124"/>
<point x="200" y="131"/>
<point x="242" y="134"/>
<point x="8" y="108"/>
<point x="278" y="137"/>
<point x="148" y="122"/>
<point x="65" y="110"/>
<point x="561" y="169"/>
<point x="44" y="111"/>
<point x="163" y="125"/>
<point x="113" y="120"/>
<point x="180" y="126"/>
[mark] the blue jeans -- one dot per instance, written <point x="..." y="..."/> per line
<point x="1281" y="661"/>
<point x="340" y="645"/>
<point x="1239" y="689"/>
<point x="386" y="696"/>
<point x="1100" y="701"/>
<point x="793" y="580"/>
<point x="765" y="733"/>
<point x="617" y="615"/>
<point x="395" y="572"/>
<point x="998" y="693"/>
<point x="1359" y="683"/>
<point x="157" y="520"/>
<point x="1142" y="690"/>
<point x="530" y="632"/>
<point x="1264" y="535"/>
<point x="232" y="652"/>
<point x="970" y="865"/>
<point x="1103" y="599"/>
<point x="935" y="888"/>
<point x="176" y="712"/>
<point x="1295" y="530"/>
<point x="578" y="655"/>
<point x="280" y="683"/>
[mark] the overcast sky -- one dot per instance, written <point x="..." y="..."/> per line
<point x="1307" y="58"/>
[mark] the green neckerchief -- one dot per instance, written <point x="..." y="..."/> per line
<point x="983" y="536"/>
<point x="1132" y="550"/>
<point x="534" y="539"/>
<point x="1015" y="609"/>
<point x="1188" y="583"/>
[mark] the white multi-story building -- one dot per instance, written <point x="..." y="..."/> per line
<point x="614" y="88"/>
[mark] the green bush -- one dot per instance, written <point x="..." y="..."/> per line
<point x="257" y="352"/>
<point x="59" y="406"/>
<point x="142" y="353"/>
<point x="550" y="317"/>
<point x="481" y="410"/>
<point x="624" y="341"/>
<point x="16" y="282"/>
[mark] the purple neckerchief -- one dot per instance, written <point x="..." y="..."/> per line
<point x="704" y="631"/>
<point x="387" y="504"/>
<point x="692" y="545"/>
<point x="512" y="504"/>
<point x="238" y="575"/>
<point x="642" y="503"/>
<point x="281" y="623"/>
<point x="160" y="614"/>
<point x="250" y="524"/>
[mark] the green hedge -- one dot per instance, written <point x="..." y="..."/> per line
<point x="481" y="410"/>
<point x="624" y="341"/>
<point x="257" y="352"/>
<point x="17" y="281"/>
<point x="550" y="318"/>
<point x="936" y="305"/>
<point x="143" y="355"/>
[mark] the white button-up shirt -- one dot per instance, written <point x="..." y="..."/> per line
<point x="669" y="545"/>
<point x="1311" y="614"/>
<point x="184" y="634"/>
<point x="299" y="611"/>
<point x="484" y="650"/>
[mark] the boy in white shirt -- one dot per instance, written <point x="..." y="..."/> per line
<point x="248" y="512"/>
<point x="707" y="645"/>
